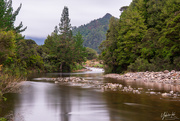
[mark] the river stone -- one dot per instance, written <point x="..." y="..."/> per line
<point x="173" y="71"/>
<point x="166" y="71"/>
<point x="127" y="75"/>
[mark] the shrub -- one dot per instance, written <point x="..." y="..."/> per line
<point x="140" y="65"/>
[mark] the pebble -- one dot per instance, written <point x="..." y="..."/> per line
<point x="77" y="81"/>
<point x="167" y="77"/>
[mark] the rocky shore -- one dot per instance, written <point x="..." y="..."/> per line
<point x="165" y="77"/>
<point x="78" y="81"/>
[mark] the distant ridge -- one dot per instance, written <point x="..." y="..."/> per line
<point x="38" y="40"/>
<point x="94" y="32"/>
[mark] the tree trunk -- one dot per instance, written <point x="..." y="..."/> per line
<point x="61" y="67"/>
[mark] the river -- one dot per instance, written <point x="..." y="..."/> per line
<point x="41" y="100"/>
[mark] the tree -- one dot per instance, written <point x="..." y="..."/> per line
<point x="56" y="30"/>
<point x="108" y="46"/>
<point x="79" y="49"/>
<point x="131" y="30"/>
<point x="65" y="26"/>
<point x="123" y="8"/>
<point x="28" y="56"/>
<point x="91" y="53"/>
<point x="63" y="50"/>
<point x="8" y="46"/>
<point x="8" y="17"/>
<point x="147" y="38"/>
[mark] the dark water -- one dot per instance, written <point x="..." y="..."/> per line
<point x="45" y="101"/>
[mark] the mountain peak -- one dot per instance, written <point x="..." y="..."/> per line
<point x="108" y="15"/>
<point x="94" y="32"/>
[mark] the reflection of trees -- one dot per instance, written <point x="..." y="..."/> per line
<point x="65" y="104"/>
<point x="8" y="105"/>
<point x="128" y="106"/>
<point x="59" y="100"/>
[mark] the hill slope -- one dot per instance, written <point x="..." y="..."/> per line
<point x="94" y="32"/>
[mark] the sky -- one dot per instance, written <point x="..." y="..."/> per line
<point x="41" y="16"/>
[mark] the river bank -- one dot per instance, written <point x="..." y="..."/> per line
<point x="45" y="96"/>
<point x="93" y="63"/>
<point x="166" y="80"/>
<point x="165" y="77"/>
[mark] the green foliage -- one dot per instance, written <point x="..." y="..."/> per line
<point x="94" y="32"/>
<point x="7" y="45"/>
<point x="79" y="49"/>
<point x="3" y="119"/>
<point x="65" y="26"/>
<point x="28" y="56"/>
<point x="8" y="17"/>
<point x="76" y="66"/>
<point x="62" y="50"/>
<point x="109" y="45"/>
<point x="91" y="54"/>
<point x="140" y="65"/>
<point x="146" y="37"/>
<point x="99" y="66"/>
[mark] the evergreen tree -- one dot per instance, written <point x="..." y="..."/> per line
<point x="109" y="45"/>
<point x="56" y="30"/>
<point x="131" y="31"/>
<point x="62" y="50"/>
<point x="65" y="26"/>
<point x="8" y="17"/>
<point x="147" y="38"/>
<point x="79" y="49"/>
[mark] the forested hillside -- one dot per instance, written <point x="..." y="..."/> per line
<point x="94" y="32"/>
<point x="145" y="38"/>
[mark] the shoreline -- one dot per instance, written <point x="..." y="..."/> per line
<point x="166" y="77"/>
<point x="153" y="78"/>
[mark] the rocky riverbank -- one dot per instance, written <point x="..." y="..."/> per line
<point x="81" y="82"/>
<point x="165" y="77"/>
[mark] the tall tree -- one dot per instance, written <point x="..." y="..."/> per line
<point x="109" y="45"/>
<point x="65" y="26"/>
<point x="8" y="17"/>
<point x="148" y="37"/>
<point x="131" y="31"/>
<point x="63" y="50"/>
<point x="79" y="49"/>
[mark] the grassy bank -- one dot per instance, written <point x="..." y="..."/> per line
<point x="93" y="63"/>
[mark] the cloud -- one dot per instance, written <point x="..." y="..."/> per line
<point x="41" y="16"/>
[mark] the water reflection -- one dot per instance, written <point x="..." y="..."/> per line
<point x="50" y="102"/>
<point x="46" y="101"/>
<point x="161" y="87"/>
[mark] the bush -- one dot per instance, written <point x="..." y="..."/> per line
<point x="9" y="83"/>
<point x="3" y="119"/>
<point x="177" y="63"/>
<point x="91" y="54"/>
<point x="76" y="66"/>
<point x="99" y="65"/>
<point x="140" y="65"/>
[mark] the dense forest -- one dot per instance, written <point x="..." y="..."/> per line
<point x="61" y="52"/>
<point x="145" y="38"/>
<point x="94" y="32"/>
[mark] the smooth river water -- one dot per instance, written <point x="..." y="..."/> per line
<point x="46" y="101"/>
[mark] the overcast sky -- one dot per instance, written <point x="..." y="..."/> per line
<point x="41" y="16"/>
